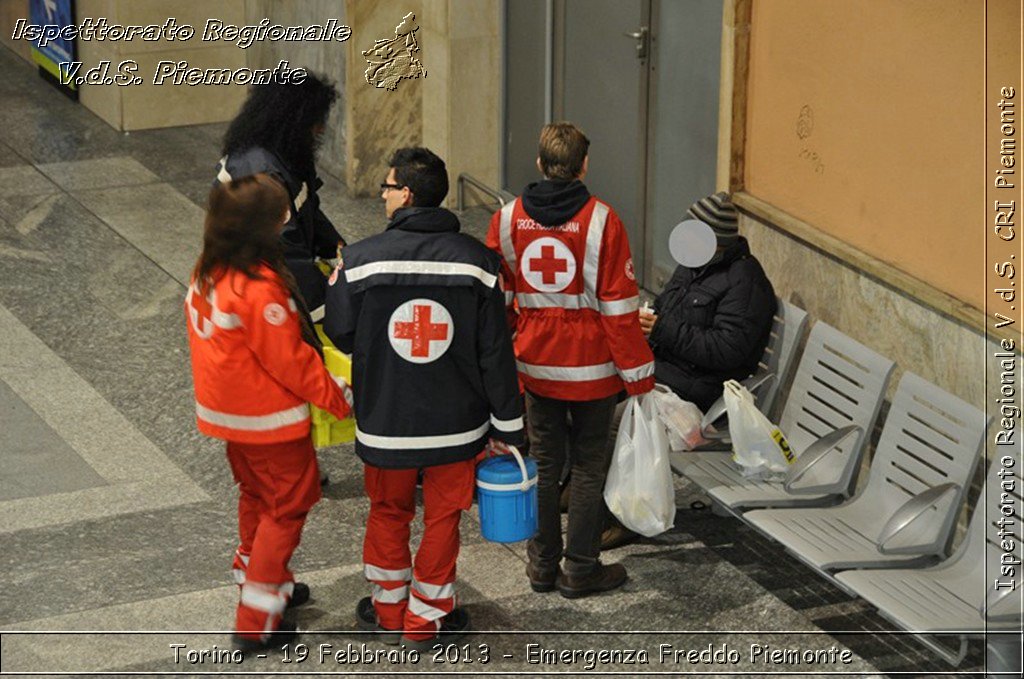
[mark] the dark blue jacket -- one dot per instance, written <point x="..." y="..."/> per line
<point x="421" y="310"/>
<point x="308" y="234"/>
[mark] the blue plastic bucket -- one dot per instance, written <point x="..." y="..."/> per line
<point x="506" y="488"/>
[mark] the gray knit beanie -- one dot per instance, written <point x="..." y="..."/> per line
<point x="718" y="212"/>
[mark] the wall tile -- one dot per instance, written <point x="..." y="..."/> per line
<point x="378" y="120"/>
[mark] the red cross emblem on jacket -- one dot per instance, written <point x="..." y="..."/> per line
<point x="548" y="265"/>
<point x="200" y="313"/>
<point x="420" y="330"/>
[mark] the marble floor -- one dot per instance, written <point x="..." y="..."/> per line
<point x="117" y="517"/>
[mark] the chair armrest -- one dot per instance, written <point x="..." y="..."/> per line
<point x="717" y="409"/>
<point x="997" y="597"/>
<point x="757" y="382"/>
<point x="907" y="515"/>
<point x="715" y="412"/>
<point x="815" y="453"/>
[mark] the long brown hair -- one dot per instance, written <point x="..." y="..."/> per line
<point x="242" y="231"/>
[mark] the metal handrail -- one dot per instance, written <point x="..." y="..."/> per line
<point x="499" y="195"/>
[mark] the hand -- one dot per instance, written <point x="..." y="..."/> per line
<point x="498" y="447"/>
<point x="647" y="320"/>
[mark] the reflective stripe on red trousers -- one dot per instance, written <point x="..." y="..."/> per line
<point x="278" y="484"/>
<point x="408" y="596"/>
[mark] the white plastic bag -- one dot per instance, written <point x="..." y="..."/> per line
<point x="681" y="417"/>
<point x="759" y="447"/>
<point x="639" y="489"/>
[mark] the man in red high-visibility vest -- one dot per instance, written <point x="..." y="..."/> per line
<point x="567" y="266"/>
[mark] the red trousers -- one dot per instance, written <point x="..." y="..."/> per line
<point x="407" y="597"/>
<point x="279" y="483"/>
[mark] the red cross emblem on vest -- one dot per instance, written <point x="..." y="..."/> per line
<point x="421" y="330"/>
<point x="200" y="311"/>
<point x="548" y="264"/>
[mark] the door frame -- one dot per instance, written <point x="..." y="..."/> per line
<point x="731" y="111"/>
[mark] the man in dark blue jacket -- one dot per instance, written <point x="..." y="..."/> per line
<point x="420" y="309"/>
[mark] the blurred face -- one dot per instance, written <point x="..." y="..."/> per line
<point x="394" y="196"/>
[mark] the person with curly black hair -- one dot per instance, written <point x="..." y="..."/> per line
<point x="277" y="132"/>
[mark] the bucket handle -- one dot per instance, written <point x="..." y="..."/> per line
<point x="522" y="466"/>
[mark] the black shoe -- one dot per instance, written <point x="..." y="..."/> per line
<point x="285" y="634"/>
<point x="603" y="578"/>
<point x="542" y="580"/>
<point x="300" y="595"/>
<point x="453" y="627"/>
<point x="324" y="479"/>
<point x="366" y="619"/>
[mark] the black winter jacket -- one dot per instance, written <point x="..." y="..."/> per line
<point x="308" y="234"/>
<point x="420" y="309"/>
<point x="713" y="325"/>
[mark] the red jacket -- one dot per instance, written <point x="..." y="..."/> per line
<point x="578" y="334"/>
<point x="253" y="373"/>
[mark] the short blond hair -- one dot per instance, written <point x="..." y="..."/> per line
<point x="563" y="147"/>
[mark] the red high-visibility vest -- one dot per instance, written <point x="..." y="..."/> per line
<point x="578" y="334"/>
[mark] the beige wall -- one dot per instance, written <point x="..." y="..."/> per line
<point x="323" y="58"/>
<point x="939" y="349"/>
<point x="462" y="118"/>
<point x="915" y="295"/>
<point x="834" y="135"/>
<point x="148" y="105"/>
<point x="379" y="121"/>
<point x="454" y="110"/>
<point x="10" y="12"/>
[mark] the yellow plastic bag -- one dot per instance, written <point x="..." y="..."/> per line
<point x="328" y="430"/>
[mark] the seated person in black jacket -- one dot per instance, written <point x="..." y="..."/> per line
<point x="709" y="324"/>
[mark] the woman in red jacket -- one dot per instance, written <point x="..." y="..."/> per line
<point x="255" y="370"/>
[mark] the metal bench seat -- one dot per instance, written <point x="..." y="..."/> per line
<point x="831" y="409"/>
<point x="957" y="596"/>
<point x="905" y="514"/>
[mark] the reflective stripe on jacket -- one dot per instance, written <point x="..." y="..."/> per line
<point x="578" y="334"/>
<point x="252" y="371"/>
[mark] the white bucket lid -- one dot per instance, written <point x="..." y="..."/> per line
<point x="522" y="486"/>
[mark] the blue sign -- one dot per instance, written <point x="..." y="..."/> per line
<point x="59" y="50"/>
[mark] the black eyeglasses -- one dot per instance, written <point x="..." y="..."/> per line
<point x="385" y="186"/>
